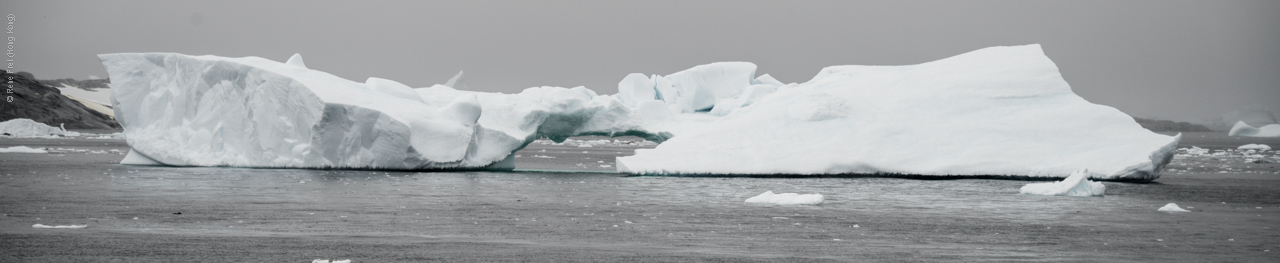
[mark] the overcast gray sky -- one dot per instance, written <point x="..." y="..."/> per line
<point x="1170" y="59"/>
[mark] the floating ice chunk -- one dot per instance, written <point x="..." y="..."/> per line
<point x="22" y="149"/>
<point x="296" y="60"/>
<point x="1171" y="207"/>
<point x="1077" y="184"/>
<point x="1194" y="150"/>
<point x="1244" y="130"/>
<point x="327" y="261"/>
<point x="66" y="226"/>
<point x="1255" y="147"/>
<point x="993" y="111"/>
<point x="28" y="128"/>
<point x="768" y="197"/>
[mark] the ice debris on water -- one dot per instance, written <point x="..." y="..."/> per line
<point x="60" y="226"/>
<point x="1077" y="184"/>
<point x="1254" y="147"/>
<point x="1171" y="207"/>
<point x="327" y="261"/>
<point x="768" y="197"/>
<point x="22" y="149"/>
<point x="28" y="128"/>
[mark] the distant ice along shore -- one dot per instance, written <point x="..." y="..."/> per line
<point x="994" y="111"/>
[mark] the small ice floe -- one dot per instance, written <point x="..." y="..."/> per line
<point x="584" y="146"/>
<point x="768" y="197"/>
<point x="1171" y="207"/>
<point x="1255" y="147"/>
<point x="22" y="149"/>
<point x="66" y="226"/>
<point x="1077" y="184"/>
<point x="543" y="156"/>
<point x="327" y="261"/>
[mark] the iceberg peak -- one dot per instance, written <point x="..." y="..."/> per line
<point x="456" y="82"/>
<point x="296" y="60"/>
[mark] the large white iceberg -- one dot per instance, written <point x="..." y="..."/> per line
<point x="1002" y="111"/>
<point x="1077" y="184"/>
<point x="1245" y="130"/>
<point x="186" y="110"/>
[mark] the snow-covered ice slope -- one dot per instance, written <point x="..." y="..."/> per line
<point x="994" y="111"/>
<point x="1245" y="130"/>
<point x="1075" y="185"/>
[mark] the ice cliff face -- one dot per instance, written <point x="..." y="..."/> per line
<point x="253" y="112"/>
<point x="995" y="111"/>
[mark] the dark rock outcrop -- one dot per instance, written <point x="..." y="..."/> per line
<point x="22" y="96"/>
<point x="88" y="84"/>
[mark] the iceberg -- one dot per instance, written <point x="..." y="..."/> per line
<point x="1002" y="111"/>
<point x="1245" y="130"/>
<point x="252" y="112"/>
<point x="1171" y="207"/>
<point x="182" y="110"/>
<point x="1076" y="184"/>
<point x="768" y="197"/>
<point x="28" y="128"/>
